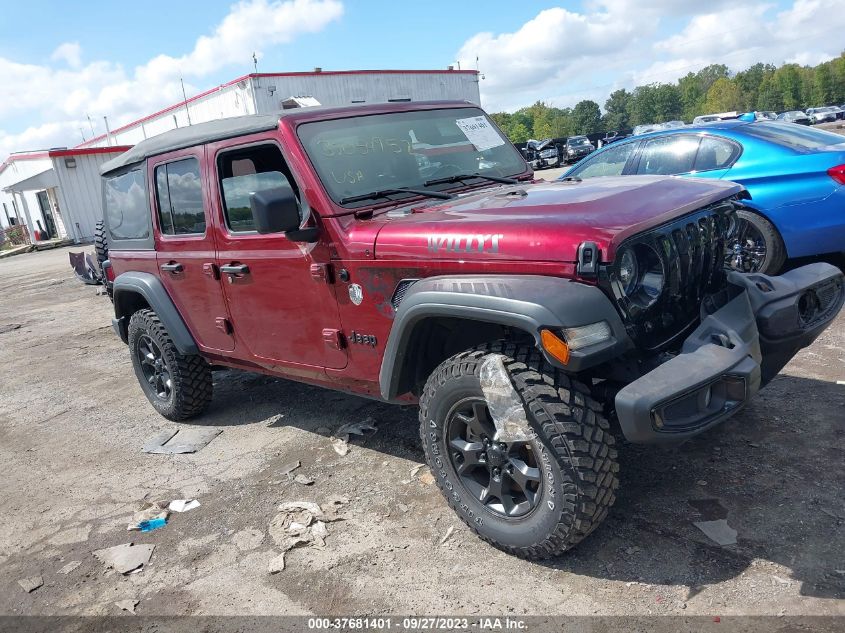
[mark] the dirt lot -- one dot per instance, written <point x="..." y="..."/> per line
<point x="73" y="421"/>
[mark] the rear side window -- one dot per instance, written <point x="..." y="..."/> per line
<point x="715" y="153"/>
<point x="244" y="172"/>
<point x="668" y="155"/>
<point x="792" y="136"/>
<point x="126" y="206"/>
<point x="610" y="162"/>
<point x="179" y="193"/>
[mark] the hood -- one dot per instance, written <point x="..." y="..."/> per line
<point x="543" y="221"/>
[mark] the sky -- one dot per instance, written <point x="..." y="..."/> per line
<point x="63" y="62"/>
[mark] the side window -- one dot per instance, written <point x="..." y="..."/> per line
<point x="715" y="153"/>
<point x="126" y="206"/>
<point x="610" y="162"/>
<point x="179" y="193"/>
<point x="668" y="155"/>
<point x="243" y="172"/>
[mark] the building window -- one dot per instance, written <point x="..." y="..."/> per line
<point x="399" y="99"/>
<point x="179" y="193"/>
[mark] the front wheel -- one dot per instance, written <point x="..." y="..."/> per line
<point x="534" y="497"/>
<point x="755" y="245"/>
<point x="177" y="385"/>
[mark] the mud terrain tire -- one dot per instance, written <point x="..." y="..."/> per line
<point x="573" y="448"/>
<point x="178" y="386"/>
<point x="101" y="251"/>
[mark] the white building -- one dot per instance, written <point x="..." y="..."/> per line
<point x="59" y="189"/>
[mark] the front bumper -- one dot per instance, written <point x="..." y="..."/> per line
<point x="747" y="334"/>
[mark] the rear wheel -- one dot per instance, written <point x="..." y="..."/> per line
<point x="533" y="498"/>
<point x="178" y="385"/>
<point x="756" y="245"/>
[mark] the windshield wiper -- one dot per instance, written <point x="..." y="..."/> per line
<point x="384" y="193"/>
<point x="460" y="177"/>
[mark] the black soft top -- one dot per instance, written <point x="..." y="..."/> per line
<point x="197" y="134"/>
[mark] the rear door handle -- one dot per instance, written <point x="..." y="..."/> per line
<point x="172" y="267"/>
<point x="235" y="269"/>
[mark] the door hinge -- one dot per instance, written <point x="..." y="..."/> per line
<point x="223" y="324"/>
<point x="211" y="270"/>
<point x="322" y="272"/>
<point x="334" y="339"/>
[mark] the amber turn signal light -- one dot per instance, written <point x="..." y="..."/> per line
<point x="554" y="346"/>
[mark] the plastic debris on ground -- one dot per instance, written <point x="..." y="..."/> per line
<point x="446" y="536"/>
<point x="301" y="523"/>
<point x="180" y="441"/>
<point x="69" y="567"/>
<point x="126" y="558"/>
<point x="183" y="505"/>
<point x="303" y="480"/>
<point x="127" y="605"/>
<point x="416" y="469"/>
<point x="340" y="445"/>
<point x="717" y="531"/>
<point x="150" y="516"/>
<point x="503" y="401"/>
<point x="356" y="428"/>
<point x="31" y="584"/>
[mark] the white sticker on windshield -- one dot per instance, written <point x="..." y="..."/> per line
<point x="480" y="133"/>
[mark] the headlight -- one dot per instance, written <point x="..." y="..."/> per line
<point x="628" y="271"/>
<point x="640" y="275"/>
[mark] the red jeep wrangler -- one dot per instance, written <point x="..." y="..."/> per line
<point x="404" y="252"/>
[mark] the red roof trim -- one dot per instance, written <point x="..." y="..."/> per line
<point x="181" y="104"/>
<point x="84" y="151"/>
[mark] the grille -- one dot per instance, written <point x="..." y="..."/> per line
<point x="691" y="253"/>
<point x="399" y="294"/>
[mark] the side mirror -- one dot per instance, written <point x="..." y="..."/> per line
<point x="275" y="210"/>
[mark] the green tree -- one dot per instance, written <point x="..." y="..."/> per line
<point x="724" y="95"/>
<point x="587" y="117"/>
<point x="787" y="80"/>
<point x="616" y="110"/>
<point x="824" y="90"/>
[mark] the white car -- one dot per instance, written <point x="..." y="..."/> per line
<point x="821" y="115"/>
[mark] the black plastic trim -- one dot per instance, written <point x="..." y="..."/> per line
<point x="153" y="292"/>
<point x="525" y="302"/>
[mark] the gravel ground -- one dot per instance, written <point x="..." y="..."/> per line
<point x="73" y="421"/>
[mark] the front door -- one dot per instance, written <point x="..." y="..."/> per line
<point x="283" y="311"/>
<point x="185" y="247"/>
<point x="47" y="214"/>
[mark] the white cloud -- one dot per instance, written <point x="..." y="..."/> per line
<point x="65" y="94"/>
<point x="562" y="56"/>
<point x="70" y="53"/>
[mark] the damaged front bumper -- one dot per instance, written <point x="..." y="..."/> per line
<point x="747" y="334"/>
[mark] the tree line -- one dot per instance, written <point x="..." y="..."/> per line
<point x="712" y="89"/>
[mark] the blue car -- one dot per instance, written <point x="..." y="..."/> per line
<point x="795" y="175"/>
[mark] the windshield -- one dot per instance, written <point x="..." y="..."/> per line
<point x="796" y="137"/>
<point x="578" y="140"/>
<point x="360" y="155"/>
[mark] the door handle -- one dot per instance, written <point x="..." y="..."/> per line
<point x="172" y="267"/>
<point x="235" y="269"/>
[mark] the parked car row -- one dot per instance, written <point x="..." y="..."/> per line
<point x="548" y="153"/>
<point x="794" y="175"/>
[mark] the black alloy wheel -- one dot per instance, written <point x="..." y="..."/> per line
<point x="154" y="367"/>
<point x="754" y="245"/>
<point x="503" y="476"/>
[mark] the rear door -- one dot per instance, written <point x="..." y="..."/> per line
<point x="702" y="156"/>
<point x="283" y="308"/>
<point x="185" y="246"/>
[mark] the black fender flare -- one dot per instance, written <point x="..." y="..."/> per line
<point x="149" y="287"/>
<point x="525" y="302"/>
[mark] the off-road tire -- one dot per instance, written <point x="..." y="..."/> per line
<point x="101" y="251"/>
<point x="579" y="470"/>
<point x="775" y="249"/>
<point x="190" y="374"/>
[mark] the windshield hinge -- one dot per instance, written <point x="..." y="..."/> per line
<point x="588" y="259"/>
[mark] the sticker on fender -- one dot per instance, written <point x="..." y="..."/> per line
<point x="480" y="133"/>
